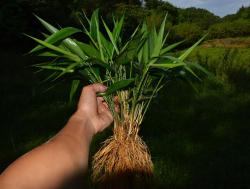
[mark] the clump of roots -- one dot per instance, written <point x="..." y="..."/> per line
<point x="123" y="161"/>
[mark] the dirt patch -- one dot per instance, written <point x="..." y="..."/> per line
<point x="228" y="43"/>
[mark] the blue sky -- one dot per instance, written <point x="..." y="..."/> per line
<point x="218" y="7"/>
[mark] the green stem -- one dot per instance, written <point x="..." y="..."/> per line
<point x="154" y="92"/>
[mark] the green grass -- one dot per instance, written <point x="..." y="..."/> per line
<point x="202" y="140"/>
<point x="229" y="65"/>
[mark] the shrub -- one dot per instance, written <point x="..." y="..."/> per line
<point x="235" y="28"/>
<point x="186" y="31"/>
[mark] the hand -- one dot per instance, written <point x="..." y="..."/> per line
<point x="94" y="108"/>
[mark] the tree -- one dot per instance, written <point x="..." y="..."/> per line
<point x="190" y="32"/>
<point x="201" y="17"/>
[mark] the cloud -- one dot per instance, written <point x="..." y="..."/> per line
<point x="218" y="7"/>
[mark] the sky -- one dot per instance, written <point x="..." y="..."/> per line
<point x="218" y="7"/>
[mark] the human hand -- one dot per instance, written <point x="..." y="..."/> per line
<point x="94" y="108"/>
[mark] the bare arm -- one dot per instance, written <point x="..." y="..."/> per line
<point x="65" y="156"/>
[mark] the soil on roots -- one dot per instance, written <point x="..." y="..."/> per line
<point x="123" y="162"/>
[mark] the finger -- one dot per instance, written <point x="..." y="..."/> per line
<point x="100" y="104"/>
<point x="105" y="105"/>
<point x="91" y="90"/>
<point x="102" y="107"/>
<point x="106" y="119"/>
<point x="88" y="96"/>
<point x="98" y="87"/>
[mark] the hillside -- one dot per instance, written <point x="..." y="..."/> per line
<point x="228" y="43"/>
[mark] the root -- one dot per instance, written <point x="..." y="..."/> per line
<point x="123" y="159"/>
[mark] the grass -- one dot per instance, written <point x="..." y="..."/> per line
<point x="229" y="65"/>
<point x="207" y="146"/>
<point x="198" y="140"/>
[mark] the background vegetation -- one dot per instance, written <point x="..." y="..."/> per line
<point x="198" y="136"/>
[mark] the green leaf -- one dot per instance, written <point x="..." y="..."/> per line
<point x="98" y="35"/>
<point x="57" y="36"/>
<point x="192" y="72"/>
<point x="170" y="47"/>
<point x="94" y="24"/>
<point x="111" y="37"/>
<point x="50" y="67"/>
<point x="187" y="52"/>
<point x="74" y="86"/>
<point x="200" y="68"/>
<point x="69" y="43"/>
<point x="95" y="61"/>
<point x="49" y="54"/>
<point x="57" y="49"/>
<point x="159" y="40"/>
<point x="117" y="86"/>
<point x="117" y="29"/>
<point x="89" y="50"/>
<point x="131" y="51"/>
<point x="48" y="26"/>
<point x="168" y="65"/>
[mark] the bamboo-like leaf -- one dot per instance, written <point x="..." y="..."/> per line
<point x="187" y="52"/>
<point x="69" y="69"/>
<point x="108" y="49"/>
<point x="111" y="37"/>
<point x="48" y="26"/>
<point x="117" y="86"/>
<point x="170" y="47"/>
<point x="98" y="35"/>
<point x="89" y="50"/>
<point x="57" y="49"/>
<point x="131" y="50"/>
<point x="159" y="39"/>
<point x="200" y="68"/>
<point x="69" y="43"/>
<point x="50" y="67"/>
<point x="57" y="36"/>
<point x="94" y="24"/>
<point x="131" y="38"/>
<point x="168" y="65"/>
<point x="49" y="54"/>
<point x="117" y="29"/>
<point x="95" y="61"/>
<point x="192" y="72"/>
<point x="74" y="86"/>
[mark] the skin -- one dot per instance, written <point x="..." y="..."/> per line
<point x="60" y="161"/>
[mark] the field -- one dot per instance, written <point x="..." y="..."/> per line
<point x="198" y="137"/>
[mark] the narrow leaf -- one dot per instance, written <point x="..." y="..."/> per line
<point x="170" y="47"/>
<point x="74" y="86"/>
<point x="69" y="43"/>
<point x="117" y="86"/>
<point x="111" y="37"/>
<point x="187" y="52"/>
<point x="57" y="36"/>
<point x="168" y="65"/>
<point x="57" y="49"/>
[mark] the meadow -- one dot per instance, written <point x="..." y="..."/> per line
<point x="198" y="136"/>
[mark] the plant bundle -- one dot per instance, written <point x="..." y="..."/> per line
<point x="134" y="69"/>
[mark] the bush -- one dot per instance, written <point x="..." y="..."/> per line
<point x="235" y="28"/>
<point x="186" y="31"/>
<point x="201" y="17"/>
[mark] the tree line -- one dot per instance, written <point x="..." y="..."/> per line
<point x="190" y="23"/>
